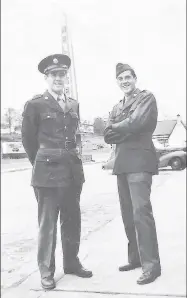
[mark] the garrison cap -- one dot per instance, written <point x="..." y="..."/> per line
<point x="120" y="67"/>
<point x="54" y="62"/>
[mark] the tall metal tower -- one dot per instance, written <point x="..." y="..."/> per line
<point x="71" y="84"/>
<point x="67" y="48"/>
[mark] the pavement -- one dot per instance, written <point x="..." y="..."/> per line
<point x="13" y="165"/>
<point x="106" y="249"/>
<point x="22" y="164"/>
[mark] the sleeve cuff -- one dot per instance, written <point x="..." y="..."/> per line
<point x="121" y="127"/>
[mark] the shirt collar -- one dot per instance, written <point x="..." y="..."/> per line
<point x="134" y="93"/>
<point x="62" y="96"/>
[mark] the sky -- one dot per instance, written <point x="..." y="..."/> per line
<point x="150" y="35"/>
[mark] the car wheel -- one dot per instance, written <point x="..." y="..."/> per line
<point x="183" y="166"/>
<point x="176" y="164"/>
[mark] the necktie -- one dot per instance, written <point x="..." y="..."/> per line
<point x="61" y="102"/>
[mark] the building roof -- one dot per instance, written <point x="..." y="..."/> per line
<point x="184" y="124"/>
<point x="164" y="128"/>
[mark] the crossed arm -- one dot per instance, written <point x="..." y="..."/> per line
<point x="142" y="118"/>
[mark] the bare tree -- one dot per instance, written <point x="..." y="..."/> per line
<point x="99" y="126"/>
<point x="12" y="118"/>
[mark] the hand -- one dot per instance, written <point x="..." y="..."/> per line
<point x="112" y="137"/>
<point x="77" y="150"/>
<point x="109" y="127"/>
<point x="113" y="126"/>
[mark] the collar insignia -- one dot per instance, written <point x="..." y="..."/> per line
<point x="55" y="60"/>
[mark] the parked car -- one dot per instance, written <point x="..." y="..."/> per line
<point x="100" y="146"/>
<point x="13" y="150"/>
<point x="175" y="157"/>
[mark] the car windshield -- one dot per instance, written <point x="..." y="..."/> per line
<point x="158" y="145"/>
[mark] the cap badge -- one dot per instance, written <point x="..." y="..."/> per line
<point x="55" y="60"/>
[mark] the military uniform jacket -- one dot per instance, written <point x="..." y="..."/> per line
<point x="136" y="120"/>
<point x="45" y="129"/>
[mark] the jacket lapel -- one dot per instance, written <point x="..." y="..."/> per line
<point x="51" y="101"/>
<point x="132" y="100"/>
<point x="67" y="106"/>
<point x="55" y="105"/>
<point x="119" y="107"/>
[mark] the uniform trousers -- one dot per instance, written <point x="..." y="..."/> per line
<point x="134" y="194"/>
<point x="52" y="202"/>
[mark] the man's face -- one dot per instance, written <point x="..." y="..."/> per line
<point x="55" y="80"/>
<point x="127" y="82"/>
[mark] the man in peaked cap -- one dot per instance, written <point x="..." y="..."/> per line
<point x="49" y="128"/>
<point x="130" y="126"/>
<point x="54" y="62"/>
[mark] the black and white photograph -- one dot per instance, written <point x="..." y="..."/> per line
<point x="93" y="148"/>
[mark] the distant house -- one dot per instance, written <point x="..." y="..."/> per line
<point x="164" y="130"/>
<point x="171" y="132"/>
<point x="85" y="128"/>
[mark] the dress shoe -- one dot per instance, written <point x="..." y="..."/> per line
<point x="79" y="271"/>
<point x="48" y="283"/>
<point x="129" y="267"/>
<point x="148" y="277"/>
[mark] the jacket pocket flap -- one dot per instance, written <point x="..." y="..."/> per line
<point x="49" y="155"/>
<point x="73" y="115"/>
<point x="48" y="115"/>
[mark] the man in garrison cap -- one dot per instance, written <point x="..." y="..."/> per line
<point x="130" y="126"/>
<point x="49" y="128"/>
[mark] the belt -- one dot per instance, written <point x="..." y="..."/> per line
<point x="68" y="145"/>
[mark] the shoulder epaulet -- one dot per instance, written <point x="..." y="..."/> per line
<point x="146" y="92"/>
<point x="37" y="96"/>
